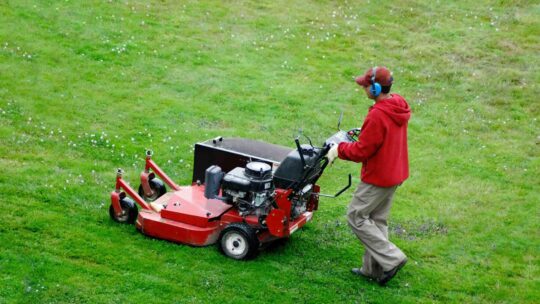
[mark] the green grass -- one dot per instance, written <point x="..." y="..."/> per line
<point x="86" y="86"/>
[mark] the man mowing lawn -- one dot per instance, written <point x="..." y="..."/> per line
<point x="382" y="149"/>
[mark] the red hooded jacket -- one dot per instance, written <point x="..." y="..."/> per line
<point x="382" y="144"/>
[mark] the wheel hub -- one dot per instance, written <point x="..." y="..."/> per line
<point x="235" y="244"/>
<point x="152" y="197"/>
<point x="123" y="216"/>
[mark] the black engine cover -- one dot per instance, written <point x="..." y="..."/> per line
<point x="239" y="180"/>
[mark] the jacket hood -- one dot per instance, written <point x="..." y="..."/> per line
<point x="396" y="108"/>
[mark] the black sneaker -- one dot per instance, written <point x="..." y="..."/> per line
<point x="360" y="273"/>
<point x="388" y="275"/>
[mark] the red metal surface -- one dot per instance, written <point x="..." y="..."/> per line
<point x="283" y="202"/>
<point x="150" y="164"/>
<point x="145" y="178"/>
<point x="232" y="216"/>
<point x="152" y="224"/>
<point x="147" y="164"/>
<point x="313" y="203"/>
<point x="190" y="206"/>
<point x="299" y="222"/>
<point x="115" y="201"/>
<point x="121" y="184"/>
<point x="277" y="222"/>
<point x="280" y="227"/>
<point x="188" y="217"/>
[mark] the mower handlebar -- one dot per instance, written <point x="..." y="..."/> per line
<point x="297" y="142"/>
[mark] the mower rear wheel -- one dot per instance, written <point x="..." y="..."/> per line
<point x="239" y="241"/>
<point x="158" y="189"/>
<point x="129" y="214"/>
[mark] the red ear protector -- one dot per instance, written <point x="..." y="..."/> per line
<point x="375" y="88"/>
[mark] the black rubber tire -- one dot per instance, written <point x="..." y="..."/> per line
<point x="131" y="212"/>
<point x="239" y="236"/>
<point x="157" y="186"/>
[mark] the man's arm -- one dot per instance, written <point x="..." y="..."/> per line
<point x="369" y="141"/>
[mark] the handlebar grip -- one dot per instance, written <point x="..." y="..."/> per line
<point x="325" y="149"/>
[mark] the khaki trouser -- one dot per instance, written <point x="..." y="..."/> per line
<point x="367" y="216"/>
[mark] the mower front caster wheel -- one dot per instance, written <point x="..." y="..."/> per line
<point x="239" y="241"/>
<point x="129" y="212"/>
<point x="158" y="189"/>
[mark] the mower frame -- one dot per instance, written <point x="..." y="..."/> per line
<point x="186" y="216"/>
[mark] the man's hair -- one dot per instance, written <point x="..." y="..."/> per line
<point x="386" y="89"/>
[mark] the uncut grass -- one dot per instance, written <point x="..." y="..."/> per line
<point x="86" y="87"/>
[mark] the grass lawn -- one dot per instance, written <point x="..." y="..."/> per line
<point x="87" y="86"/>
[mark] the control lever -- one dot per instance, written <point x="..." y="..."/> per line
<point x="300" y="152"/>
<point x="341" y="191"/>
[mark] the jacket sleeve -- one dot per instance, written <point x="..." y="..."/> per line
<point x="369" y="141"/>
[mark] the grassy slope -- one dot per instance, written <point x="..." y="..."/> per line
<point x="86" y="86"/>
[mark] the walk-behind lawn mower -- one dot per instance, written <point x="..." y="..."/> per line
<point x="244" y="194"/>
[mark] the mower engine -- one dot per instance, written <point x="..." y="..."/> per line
<point x="250" y="189"/>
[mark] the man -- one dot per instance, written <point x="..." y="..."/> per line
<point x="382" y="150"/>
